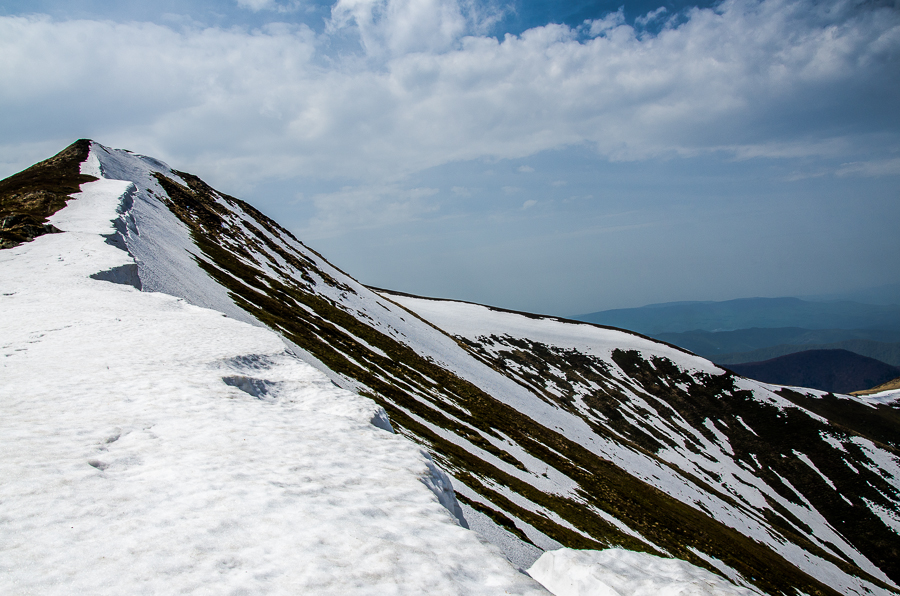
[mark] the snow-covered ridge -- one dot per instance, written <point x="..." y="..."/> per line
<point x="153" y="446"/>
<point x="556" y="434"/>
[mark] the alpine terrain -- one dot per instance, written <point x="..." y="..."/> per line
<point x="137" y="419"/>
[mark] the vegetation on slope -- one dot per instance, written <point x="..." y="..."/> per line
<point x="889" y="386"/>
<point x="28" y="198"/>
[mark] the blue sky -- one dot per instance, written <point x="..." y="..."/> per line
<point x="544" y="156"/>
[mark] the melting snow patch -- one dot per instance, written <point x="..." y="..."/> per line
<point x="890" y="518"/>
<point x="619" y="572"/>
<point x="802" y="457"/>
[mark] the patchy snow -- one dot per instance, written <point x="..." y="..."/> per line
<point x="618" y="572"/>
<point x="889" y="397"/>
<point x="723" y="568"/>
<point x="802" y="457"/>
<point x="479" y="323"/>
<point x="152" y="446"/>
<point x="890" y="518"/>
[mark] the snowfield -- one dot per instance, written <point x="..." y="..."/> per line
<point x="151" y="446"/>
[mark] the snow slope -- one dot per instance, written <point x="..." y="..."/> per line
<point x="153" y="446"/>
<point x="503" y="337"/>
<point x="883" y="397"/>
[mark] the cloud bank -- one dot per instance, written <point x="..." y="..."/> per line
<point x="393" y="87"/>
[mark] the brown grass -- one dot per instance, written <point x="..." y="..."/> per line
<point x="895" y="384"/>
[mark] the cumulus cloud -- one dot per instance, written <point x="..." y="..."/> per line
<point x="770" y="78"/>
<point x="403" y="26"/>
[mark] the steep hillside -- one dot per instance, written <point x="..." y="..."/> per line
<point x="555" y="432"/>
<point x="838" y="371"/>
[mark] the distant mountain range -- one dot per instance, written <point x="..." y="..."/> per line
<point x="838" y="371"/>
<point x="754" y="330"/>
<point x="746" y="313"/>
<point x="884" y="352"/>
<point x="753" y="345"/>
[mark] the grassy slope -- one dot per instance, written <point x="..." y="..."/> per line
<point x="28" y="198"/>
<point x="890" y="385"/>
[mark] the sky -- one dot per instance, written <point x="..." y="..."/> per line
<point x="553" y="157"/>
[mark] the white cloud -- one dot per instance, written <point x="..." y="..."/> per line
<point x="529" y="203"/>
<point x="883" y="167"/>
<point x="271" y="5"/>
<point x="525" y="169"/>
<point x="402" y="26"/>
<point x="749" y="79"/>
<point x="256" y="5"/>
<point x="653" y="15"/>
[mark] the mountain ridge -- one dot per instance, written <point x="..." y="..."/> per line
<point x="559" y="432"/>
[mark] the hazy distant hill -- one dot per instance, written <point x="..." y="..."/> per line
<point x="745" y="313"/>
<point x="889" y="353"/>
<point x="884" y="294"/>
<point x="711" y="343"/>
<point x="754" y="345"/>
<point x="838" y="371"/>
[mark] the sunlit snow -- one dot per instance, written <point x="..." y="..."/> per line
<point x="152" y="446"/>
<point x="618" y="572"/>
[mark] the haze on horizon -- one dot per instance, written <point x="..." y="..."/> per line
<point x="552" y="157"/>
